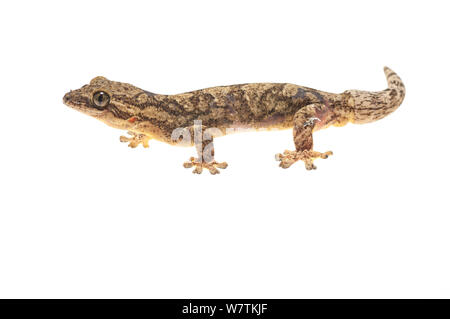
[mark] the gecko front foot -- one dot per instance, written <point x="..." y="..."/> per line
<point x="199" y="165"/>
<point x="308" y="156"/>
<point x="135" y="139"/>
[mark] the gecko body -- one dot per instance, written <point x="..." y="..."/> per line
<point x="195" y="118"/>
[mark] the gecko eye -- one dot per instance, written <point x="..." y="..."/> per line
<point x="101" y="99"/>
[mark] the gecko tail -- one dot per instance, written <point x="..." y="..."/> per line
<point x="371" y="106"/>
<point x="394" y="81"/>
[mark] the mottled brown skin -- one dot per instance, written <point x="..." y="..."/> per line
<point x="256" y="106"/>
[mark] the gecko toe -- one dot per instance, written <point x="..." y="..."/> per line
<point x="213" y="170"/>
<point x="188" y="164"/>
<point x="326" y="154"/>
<point x="222" y="165"/>
<point x="310" y="166"/>
<point x="197" y="170"/>
<point x="285" y="164"/>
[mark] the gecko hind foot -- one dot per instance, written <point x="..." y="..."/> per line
<point x="211" y="166"/>
<point x="308" y="156"/>
<point x="135" y="140"/>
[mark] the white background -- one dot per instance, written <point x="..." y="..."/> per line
<point x="82" y="215"/>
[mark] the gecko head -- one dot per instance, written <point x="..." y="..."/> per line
<point x="105" y="100"/>
<point x="93" y="99"/>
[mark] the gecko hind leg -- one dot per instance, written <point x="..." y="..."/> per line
<point x="304" y="123"/>
<point x="135" y="139"/>
<point x="205" y="159"/>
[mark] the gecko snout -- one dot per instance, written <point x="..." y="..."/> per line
<point x="66" y="97"/>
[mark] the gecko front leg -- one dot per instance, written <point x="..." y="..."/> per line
<point x="205" y="154"/>
<point x="304" y="123"/>
<point x="135" y="139"/>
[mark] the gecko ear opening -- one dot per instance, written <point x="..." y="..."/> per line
<point x="98" y="79"/>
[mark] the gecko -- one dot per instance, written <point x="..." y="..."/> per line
<point x="196" y="118"/>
